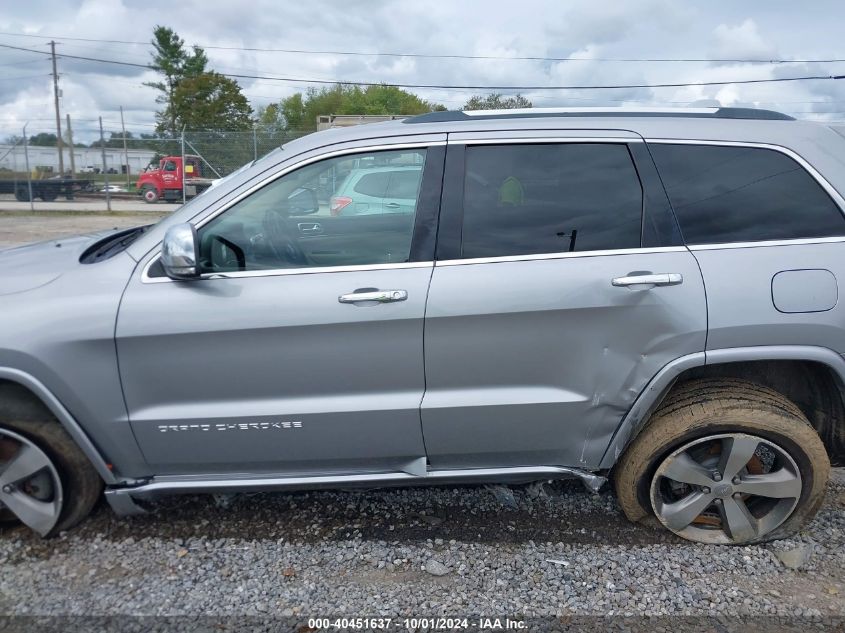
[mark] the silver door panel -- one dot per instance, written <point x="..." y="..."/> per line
<point x="537" y="361"/>
<point x="274" y="373"/>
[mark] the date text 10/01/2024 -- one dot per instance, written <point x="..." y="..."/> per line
<point x="415" y="624"/>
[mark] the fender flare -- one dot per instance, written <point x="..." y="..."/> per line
<point x="64" y="418"/>
<point x="656" y="390"/>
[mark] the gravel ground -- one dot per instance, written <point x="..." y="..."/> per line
<point x="553" y="550"/>
<point x="404" y="552"/>
<point x="21" y="228"/>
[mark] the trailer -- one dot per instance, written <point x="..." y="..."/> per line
<point x="48" y="189"/>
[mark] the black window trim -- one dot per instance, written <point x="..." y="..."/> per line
<point x="449" y="237"/>
<point x="837" y="198"/>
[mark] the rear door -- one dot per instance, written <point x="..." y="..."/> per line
<point x="560" y="288"/>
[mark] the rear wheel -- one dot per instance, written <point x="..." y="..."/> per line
<point x="46" y="482"/>
<point x="150" y="194"/>
<point x="724" y="461"/>
<point x="49" y="194"/>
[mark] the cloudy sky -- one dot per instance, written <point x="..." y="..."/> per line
<point x="587" y="35"/>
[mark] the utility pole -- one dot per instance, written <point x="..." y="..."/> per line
<point x="125" y="151"/>
<point x="70" y="150"/>
<point x="28" y="173"/>
<point x="58" y="116"/>
<point x="184" y="188"/>
<point x="105" y="167"/>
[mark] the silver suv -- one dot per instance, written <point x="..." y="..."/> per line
<point x="646" y="296"/>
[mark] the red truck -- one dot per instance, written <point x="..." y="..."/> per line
<point x="168" y="180"/>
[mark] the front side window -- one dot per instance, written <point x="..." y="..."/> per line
<point x="316" y="216"/>
<point x="743" y="194"/>
<point x="536" y="198"/>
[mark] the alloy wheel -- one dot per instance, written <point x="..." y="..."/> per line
<point x="30" y="487"/>
<point x="727" y="488"/>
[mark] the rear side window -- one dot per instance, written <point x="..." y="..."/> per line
<point x="404" y="184"/>
<point x="533" y="199"/>
<point x="374" y="185"/>
<point x="391" y="184"/>
<point x="743" y="194"/>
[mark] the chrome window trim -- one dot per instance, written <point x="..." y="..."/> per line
<point x="278" y="272"/>
<point x="821" y="180"/>
<point x="565" y="255"/>
<point x="767" y="243"/>
<point x="145" y="277"/>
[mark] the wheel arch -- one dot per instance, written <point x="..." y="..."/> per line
<point x="813" y="377"/>
<point x="32" y="391"/>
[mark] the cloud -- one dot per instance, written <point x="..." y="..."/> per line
<point x="742" y="41"/>
<point x="576" y="29"/>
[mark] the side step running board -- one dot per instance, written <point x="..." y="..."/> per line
<point x="122" y="499"/>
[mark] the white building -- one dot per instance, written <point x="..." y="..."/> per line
<point x="85" y="158"/>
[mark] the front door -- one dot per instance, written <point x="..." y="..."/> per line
<point x="300" y="348"/>
<point x="560" y="289"/>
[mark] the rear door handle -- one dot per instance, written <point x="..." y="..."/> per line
<point x="660" y="279"/>
<point x="381" y="296"/>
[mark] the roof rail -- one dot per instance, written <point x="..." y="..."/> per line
<point x="522" y="113"/>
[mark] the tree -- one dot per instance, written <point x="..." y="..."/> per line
<point x="494" y="101"/>
<point x="176" y="64"/>
<point x="211" y="101"/>
<point x="44" y="139"/>
<point x="299" y="113"/>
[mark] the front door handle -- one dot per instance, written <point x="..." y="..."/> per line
<point x="380" y="296"/>
<point x="660" y="279"/>
<point x="391" y="205"/>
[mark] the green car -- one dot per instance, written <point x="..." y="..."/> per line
<point x="373" y="190"/>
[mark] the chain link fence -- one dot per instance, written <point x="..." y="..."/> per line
<point x="108" y="179"/>
<point x="225" y="151"/>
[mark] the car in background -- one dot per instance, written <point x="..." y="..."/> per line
<point x="372" y="190"/>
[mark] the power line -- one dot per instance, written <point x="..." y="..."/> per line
<point x="460" y="87"/>
<point x="447" y="56"/>
<point x="25" y="77"/>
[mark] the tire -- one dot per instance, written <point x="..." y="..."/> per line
<point x="81" y="485"/>
<point x="710" y="410"/>
<point x="49" y="194"/>
<point x="22" y="194"/>
<point x="150" y="194"/>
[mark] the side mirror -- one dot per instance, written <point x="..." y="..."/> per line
<point x="180" y="252"/>
<point x="302" y="201"/>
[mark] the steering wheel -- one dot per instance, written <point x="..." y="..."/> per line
<point x="278" y="234"/>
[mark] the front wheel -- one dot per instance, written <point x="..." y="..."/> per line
<point x="46" y="482"/>
<point x="725" y="461"/>
<point x="150" y="194"/>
